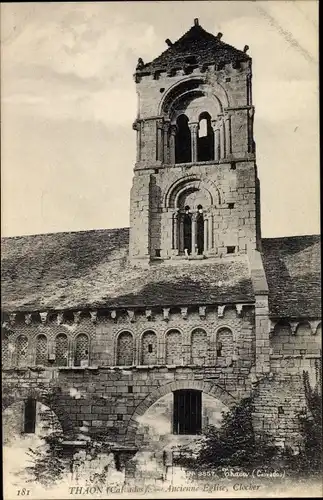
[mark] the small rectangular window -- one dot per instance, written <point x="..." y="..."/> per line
<point x="231" y="249"/>
<point x="130" y="388"/>
<point x="157" y="251"/>
<point x="150" y="348"/>
<point x="119" y="416"/>
<point x="228" y="79"/>
<point x="230" y="205"/>
<point x="30" y="416"/>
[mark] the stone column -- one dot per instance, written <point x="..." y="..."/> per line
<point x="222" y="139"/>
<point x="193" y="129"/>
<point x="216" y="131"/>
<point x="206" y="234"/>
<point x="166" y="142"/>
<point x="173" y="130"/>
<point x="137" y="127"/>
<point x="159" y="145"/>
<point x="227" y="124"/>
<point x="193" y="234"/>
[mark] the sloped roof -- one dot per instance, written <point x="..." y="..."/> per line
<point x="207" y="49"/>
<point x="91" y="269"/>
<point x="293" y="272"/>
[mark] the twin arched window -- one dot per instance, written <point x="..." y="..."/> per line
<point x="204" y="149"/>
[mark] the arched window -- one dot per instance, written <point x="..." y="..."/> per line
<point x="149" y="348"/>
<point x="199" y="346"/>
<point x="41" y="350"/>
<point x="81" y="350"/>
<point x="174" y="355"/>
<point x="224" y="343"/>
<point x="183" y="153"/>
<point x="125" y="350"/>
<point x="21" y="350"/>
<point x="205" y="139"/>
<point x="61" y="350"/>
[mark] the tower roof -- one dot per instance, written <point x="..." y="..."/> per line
<point x="195" y="48"/>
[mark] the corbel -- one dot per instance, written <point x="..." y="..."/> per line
<point x="94" y="316"/>
<point x="149" y="314"/>
<point x="239" y="309"/>
<point x="28" y="319"/>
<point x="293" y="326"/>
<point x="184" y="312"/>
<point x="221" y="311"/>
<point x="131" y="315"/>
<point x="60" y="318"/>
<point x="12" y="318"/>
<point x="43" y="316"/>
<point x="314" y="324"/>
<point x="166" y="313"/>
<point x="202" y="312"/>
<point x="77" y="316"/>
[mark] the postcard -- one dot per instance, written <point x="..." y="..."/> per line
<point x="161" y="307"/>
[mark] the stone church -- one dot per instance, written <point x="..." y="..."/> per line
<point x="146" y="334"/>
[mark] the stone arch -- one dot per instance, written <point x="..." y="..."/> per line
<point x="199" y="346"/>
<point x="191" y="84"/>
<point x="124" y="348"/>
<point x="41" y="351"/>
<point x="191" y="182"/>
<point x="173" y="348"/>
<point x="82" y="348"/>
<point x="224" y="343"/>
<point x="51" y="400"/>
<point x="215" y="390"/>
<point x="147" y="357"/>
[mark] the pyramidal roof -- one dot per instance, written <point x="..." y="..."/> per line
<point x="195" y="48"/>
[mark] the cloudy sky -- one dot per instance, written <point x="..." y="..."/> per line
<point x="68" y="102"/>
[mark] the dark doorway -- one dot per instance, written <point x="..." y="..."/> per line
<point x="30" y="416"/>
<point x="187" y="416"/>
<point x="183" y="153"/>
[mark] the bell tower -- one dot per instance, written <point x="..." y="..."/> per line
<point x="195" y="191"/>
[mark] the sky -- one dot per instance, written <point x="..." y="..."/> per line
<point x="68" y="101"/>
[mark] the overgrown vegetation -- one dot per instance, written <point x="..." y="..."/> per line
<point x="234" y="445"/>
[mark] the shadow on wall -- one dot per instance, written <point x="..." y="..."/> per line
<point x="155" y="425"/>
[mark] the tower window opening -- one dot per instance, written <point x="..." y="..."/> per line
<point x="187" y="231"/>
<point x="219" y="349"/>
<point x="150" y="348"/>
<point x="183" y="152"/>
<point x="200" y="230"/>
<point x="231" y="249"/>
<point x="205" y="139"/>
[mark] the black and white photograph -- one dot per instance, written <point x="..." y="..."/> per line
<point x="160" y="250"/>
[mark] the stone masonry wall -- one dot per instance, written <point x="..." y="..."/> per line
<point x="232" y="217"/>
<point x="103" y="397"/>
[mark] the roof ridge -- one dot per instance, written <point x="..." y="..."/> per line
<point x="82" y="231"/>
